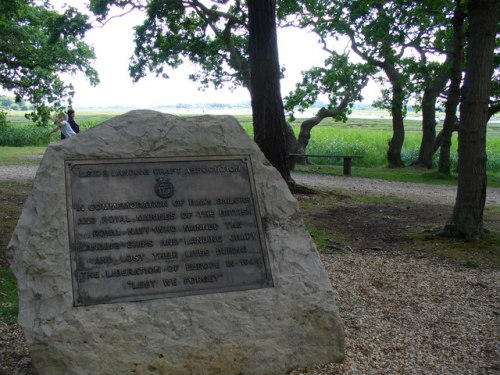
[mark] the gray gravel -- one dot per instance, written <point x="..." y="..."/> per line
<point x="17" y="172"/>
<point x="416" y="192"/>
<point x="444" y="194"/>
<point x="403" y="314"/>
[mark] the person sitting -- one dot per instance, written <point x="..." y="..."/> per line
<point x="63" y="125"/>
<point x="72" y="123"/>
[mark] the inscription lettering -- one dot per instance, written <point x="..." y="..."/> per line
<point x="165" y="256"/>
<point x="172" y="268"/>
<point x="196" y="253"/>
<point x="202" y="240"/>
<point x="124" y="272"/>
<point x="242" y="236"/>
<point x="130" y="242"/>
<point x="232" y="200"/>
<point x="165" y="229"/>
<point x="106" y="233"/>
<point x="169" y="282"/>
<point x="86" y="246"/>
<point x="129" y="172"/>
<point x="200" y="202"/>
<point x="87" y="275"/>
<point x="139" y="244"/>
<point x="251" y="262"/>
<point x="235" y="212"/>
<point x="200" y="227"/>
<point x="132" y="258"/>
<point x="205" y="214"/>
<point x="142" y="284"/>
<point x="127" y="205"/>
<point x="101" y="260"/>
<point x="217" y="169"/>
<point x="89" y="174"/>
<point x="116" y="219"/>
<point x="202" y="266"/>
<point x="169" y="242"/>
<point x="164" y="171"/>
<point x="86" y="220"/>
<point x="231" y="250"/>
<point x="156" y="217"/>
<point x="139" y="230"/>
<point x="202" y="279"/>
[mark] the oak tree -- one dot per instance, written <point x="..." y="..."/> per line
<point x="37" y="45"/>
<point x="467" y="218"/>
<point x="267" y="106"/>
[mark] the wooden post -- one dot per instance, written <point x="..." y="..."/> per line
<point x="347" y="165"/>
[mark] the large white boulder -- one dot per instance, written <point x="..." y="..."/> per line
<point x="289" y="322"/>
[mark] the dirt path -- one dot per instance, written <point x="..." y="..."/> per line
<point x="444" y="194"/>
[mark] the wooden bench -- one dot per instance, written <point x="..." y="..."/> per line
<point x="347" y="160"/>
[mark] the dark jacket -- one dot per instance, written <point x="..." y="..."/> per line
<point x="73" y="125"/>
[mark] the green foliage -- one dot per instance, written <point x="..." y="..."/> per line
<point x="3" y="119"/>
<point x="212" y="35"/>
<point x="339" y="79"/>
<point x="21" y="155"/>
<point x="366" y="137"/>
<point x="37" y="45"/>
<point x="321" y="238"/>
<point x="9" y="303"/>
<point x="24" y="135"/>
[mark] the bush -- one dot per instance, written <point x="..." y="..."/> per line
<point x="23" y="135"/>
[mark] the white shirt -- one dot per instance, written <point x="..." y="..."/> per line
<point x="66" y="129"/>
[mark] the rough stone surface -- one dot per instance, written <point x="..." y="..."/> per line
<point x="262" y="331"/>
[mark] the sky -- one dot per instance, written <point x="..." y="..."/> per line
<point x="113" y="45"/>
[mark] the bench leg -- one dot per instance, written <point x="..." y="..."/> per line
<point x="347" y="166"/>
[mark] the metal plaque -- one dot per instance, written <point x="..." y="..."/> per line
<point x="154" y="228"/>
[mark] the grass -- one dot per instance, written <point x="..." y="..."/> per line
<point x="9" y="304"/>
<point x="479" y="253"/>
<point x="408" y="174"/>
<point x="20" y="155"/>
<point x="12" y="197"/>
<point x="365" y="137"/>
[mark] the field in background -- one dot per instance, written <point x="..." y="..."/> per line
<point x="366" y="133"/>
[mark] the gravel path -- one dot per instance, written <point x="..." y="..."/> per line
<point x="17" y="172"/>
<point x="445" y="194"/>
<point x="415" y="192"/>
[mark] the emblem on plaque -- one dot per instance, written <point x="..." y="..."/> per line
<point x="164" y="188"/>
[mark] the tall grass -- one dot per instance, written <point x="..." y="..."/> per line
<point x="365" y="137"/>
<point x="370" y="143"/>
<point x="20" y="135"/>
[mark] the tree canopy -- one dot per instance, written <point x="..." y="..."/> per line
<point x="37" y="45"/>
<point x="213" y="37"/>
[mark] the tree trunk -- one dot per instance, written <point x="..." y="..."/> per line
<point x="268" y="114"/>
<point x="435" y="85"/>
<point x="467" y="219"/>
<point x="307" y="125"/>
<point x="443" y="141"/>
<point x="398" y="129"/>
<point x="450" y="120"/>
<point x="426" y="151"/>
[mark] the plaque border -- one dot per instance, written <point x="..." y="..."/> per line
<point x="247" y="159"/>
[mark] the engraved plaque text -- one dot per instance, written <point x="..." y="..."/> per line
<point x="154" y="228"/>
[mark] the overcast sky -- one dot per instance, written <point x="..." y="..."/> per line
<point x="113" y="44"/>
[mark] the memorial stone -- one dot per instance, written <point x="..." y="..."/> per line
<point x="156" y="244"/>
